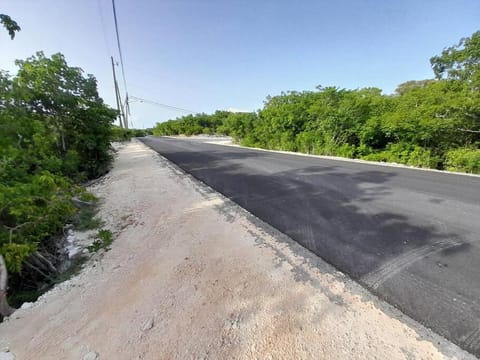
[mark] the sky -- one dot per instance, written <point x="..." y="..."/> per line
<point x="204" y="55"/>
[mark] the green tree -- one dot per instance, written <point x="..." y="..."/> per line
<point x="460" y="62"/>
<point x="427" y="123"/>
<point x="68" y="102"/>
<point x="55" y="131"/>
<point x="9" y="24"/>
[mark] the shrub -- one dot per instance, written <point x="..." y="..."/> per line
<point x="104" y="239"/>
<point x="120" y="134"/>
<point x="346" y="150"/>
<point x="464" y="159"/>
<point x="407" y="154"/>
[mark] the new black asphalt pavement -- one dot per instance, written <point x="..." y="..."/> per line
<point x="412" y="237"/>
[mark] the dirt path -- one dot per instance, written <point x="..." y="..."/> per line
<point x="193" y="276"/>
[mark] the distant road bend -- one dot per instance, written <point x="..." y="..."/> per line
<point x="411" y="237"/>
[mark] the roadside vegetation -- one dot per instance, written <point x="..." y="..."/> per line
<point x="433" y="123"/>
<point x="121" y="134"/>
<point x="55" y="134"/>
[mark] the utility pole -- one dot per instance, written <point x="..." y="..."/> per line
<point x="122" y="110"/>
<point x="121" y="117"/>
<point x="127" y="111"/>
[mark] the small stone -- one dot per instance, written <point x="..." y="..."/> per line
<point x="92" y="355"/>
<point x="147" y="325"/>
<point x="26" y="305"/>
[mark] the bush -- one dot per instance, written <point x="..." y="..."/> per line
<point x="420" y="157"/>
<point x="120" y="134"/>
<point x="407" y="154"/>
<point x="464" y="159"/>
<point x="103" y="240"/>
<point x="346" y="150"/>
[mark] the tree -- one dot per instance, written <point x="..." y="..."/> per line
<point x="67" y="100"/>
<point x="9" y="24"/>
<point x="427" y="123"/>
<point x="460" y="62"/>
<point x="55" y="131"/>
<point x="5" y="309"/>
<point x="407" y="86"/>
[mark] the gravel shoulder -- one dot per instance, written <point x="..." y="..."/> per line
<point x="193" y="276"/>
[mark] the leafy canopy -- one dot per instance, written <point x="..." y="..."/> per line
<point x="9" y="24"/>
<point x="55" y="131"/>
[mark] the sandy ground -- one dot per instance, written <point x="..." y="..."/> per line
<point x="193" y="276"/>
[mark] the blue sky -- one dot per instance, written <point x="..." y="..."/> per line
<point x="205" y="55"/>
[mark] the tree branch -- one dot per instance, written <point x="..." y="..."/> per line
<point x="469" y="131"/>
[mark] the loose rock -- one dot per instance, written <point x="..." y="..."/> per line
<point x="92" y="355"/>
<point x="147" y="325"/>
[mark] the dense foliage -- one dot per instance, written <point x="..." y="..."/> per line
<point x="55" y="132"/>
<point x="193" y="124"/>
<point x="429" y="123"/>
<point x="121" y="134"/>
<point x="10" y="25"/>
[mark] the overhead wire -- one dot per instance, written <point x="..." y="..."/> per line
<point x="127" y="98"/>
<point x="153" y="102"/>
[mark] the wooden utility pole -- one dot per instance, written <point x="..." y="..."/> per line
<point x="123" y="120"/>
<point x="127" y="111"/>
<point x="121" y="117"/>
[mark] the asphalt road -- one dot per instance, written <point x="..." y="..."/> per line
<point x="412" y="237"/>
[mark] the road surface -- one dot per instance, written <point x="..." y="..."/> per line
<point x="410" y="236"/>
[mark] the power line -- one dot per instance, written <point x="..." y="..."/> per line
<point x="127" y="105"/>
<point x="160" y="104"/>
<point x="119" y="47"/>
